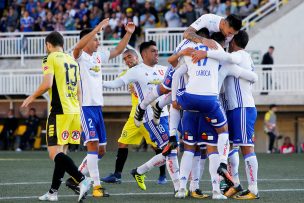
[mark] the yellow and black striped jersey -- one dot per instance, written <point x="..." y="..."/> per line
<point x="63" y="94"/>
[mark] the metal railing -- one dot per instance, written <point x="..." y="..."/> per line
<point x="275" y="80"/>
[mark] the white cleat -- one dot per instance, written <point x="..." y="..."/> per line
<point x="84" y="186"/>
<point x="49" y="197"/>
<point x="217" y="195"/>
<point x="181" y="193"/>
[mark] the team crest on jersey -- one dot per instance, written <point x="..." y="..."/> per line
<point x="75" y="135"/>
<point x="161" y="72"/>
<point x="204" y="136"/>
<point x="167" y="81"/>
<point x="92" y="133"/>
<point x="65" y="135"/>
<point x="98" y="60"/>
<point x="165" y="137"/>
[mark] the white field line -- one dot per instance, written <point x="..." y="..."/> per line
<point x="145" y="193"/>
<point x="133" y="181"/>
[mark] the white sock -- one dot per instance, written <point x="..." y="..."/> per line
<point x="173" y="168"/>
<point x="195" y="171"/>
<point x="149" y="98"/>
<point x="83" y="168"/>
<point x="234" y="162"/>
<point x="92" y="161"/>
<point x="165" y="100"/>
<point x="174" y="119"/>
<point x="202" y="165"/>
<point x="223" y="146"/>
<point x="156" y="161"/>
<point x="251" y="166"/>
<point x="185" y="168"/>
<point x="214" y="163"/>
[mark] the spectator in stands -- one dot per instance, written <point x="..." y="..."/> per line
<point x="270" y="126"/>
<point x="82" y="11"/>
<point x="12" y="19"/>
<point x="26" y="22"/>
<point x="172" y="17"/>
<point x="150" y="9"/>
<point x="246" y="8"/>
<point x="32" y="124"/>
<point x="3" y="23"/>
<point x="38" y="24"/>
<point x="201" y="8"/>
<point x="70" y="10"/>
<point x="213" y="6"/>
<point x="130" y="14"/>
<point x="147" y="20"/>
<point x="268" y="58"/>
<point x="188" y="14"/>
<point x="30" y="7"/>
<point x="84" y="22"/>
<point x="7" y="134"/>
<point x="113" y="21"/>
<point x="49" y="23"/>
<point x="69" y="22"/>
<point x="59" y="26"/>
<point x="287" y="147"/>
<point x="41" y="12"/>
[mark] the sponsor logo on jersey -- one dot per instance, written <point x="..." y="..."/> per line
<point x="155" y="82"/>
<point x="65" y="135"/>
<point x="96" y="69"/>
<point x="75" y="135"/>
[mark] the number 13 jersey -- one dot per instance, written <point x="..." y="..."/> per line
<point x="63" y="93"/>
<point x="91" y="77"/>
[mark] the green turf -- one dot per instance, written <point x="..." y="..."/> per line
<point x="31" y="171"/>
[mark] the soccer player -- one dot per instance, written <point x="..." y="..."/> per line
<point x="90" y="61"/>
<point x="61" y="80"/>
<point x="146" y="76"/>
<point x="131" y="134"/>
<point x="242" y="113"/>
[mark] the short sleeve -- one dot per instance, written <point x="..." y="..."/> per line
<point x="129" y="76"/>
<point x="48" y="64"/>
<point x="104" y="55"/>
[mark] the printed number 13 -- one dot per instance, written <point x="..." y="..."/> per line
<point x="202" y="48"/>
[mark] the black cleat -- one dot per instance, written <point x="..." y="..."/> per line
<point x="222" y="171"/>
<point x="139" y="115"/>
<point x="156" y="113"/>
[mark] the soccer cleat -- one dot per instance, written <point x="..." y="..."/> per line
<point x="112" y="178"/>
<point x="49" y="197"/>
<point x="139" y="115"/>
<point x="222" y="171"/>
<point x="198" y="194"/>
<point x="181" y="194"/>
<point x="73" y="185"/>
<point x="246" y="195"/>
<point x="99" y="191"/>
<point x="156" y="113"/>
<point x="84" y="187"/>
<point x="217" y="195"/>
<point x="162" y="180"/>
<point x="233" y="191"/>
<point x="172" y="144"/>
<point x="140" y="179"/>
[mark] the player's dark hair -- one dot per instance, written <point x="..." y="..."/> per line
<point x="218" y="37"/>
<point x="33" y="109"/>
<point x="204" y="32"/>
<point x="132" y="51"/>
<point x="146" y="45"/>
<point x="241" y="39"/>
<point x="271" y="47"/>
<point x="55" y="39"/>
<point x="84" y="32"/>
<point x="272" y="106"/>
<point x="234" y="21"/>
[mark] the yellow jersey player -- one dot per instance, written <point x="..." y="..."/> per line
<point x="61" y="80"/>
<point x="130" y="133"/>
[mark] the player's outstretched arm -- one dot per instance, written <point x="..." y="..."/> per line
<point x="130" y="28"/>
<point x="239" y="72"/>
<point x="223" y="56"/>
<point x="118" y="82"/>
<point x="44" y="86"/>
<point x="82" y="43"/>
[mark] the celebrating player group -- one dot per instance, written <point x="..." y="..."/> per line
<point x="208" y="86"/>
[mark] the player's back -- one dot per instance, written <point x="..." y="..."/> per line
<point x="239" y="91"/>
<point x="63" y="94"/>
<point x="203" y="75"/>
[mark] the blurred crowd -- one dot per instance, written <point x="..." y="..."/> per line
<point x="61" y="15"/>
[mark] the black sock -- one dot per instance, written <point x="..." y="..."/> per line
<point x="69" y="166"/>
<point x="57" y="177"/>
<point x="162" y="169"/>
<point x="121" y="157"/>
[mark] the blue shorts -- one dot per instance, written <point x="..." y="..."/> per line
<point x="167" y="82"/>
<point x="209" y="106"/>
<point x="159" y="134"/>
<point x="241" y="125"/>
<point x="93" y="125"/>
<point x="196" y="130"/>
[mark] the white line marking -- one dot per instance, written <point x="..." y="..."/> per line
<point x="133" y="181"/>
<point x="146" y="193"/>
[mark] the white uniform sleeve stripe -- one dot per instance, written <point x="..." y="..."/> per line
<point x="83" y="123"/>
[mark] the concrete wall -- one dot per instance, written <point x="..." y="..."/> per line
<point x="287" y="36"/>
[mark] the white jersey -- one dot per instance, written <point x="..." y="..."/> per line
<point x="91" y="77"/>
<point x="145" y="78"/>
<point x="212" y="23"/>
<point x="203" y="75"/>
<point x="238" y="92"/>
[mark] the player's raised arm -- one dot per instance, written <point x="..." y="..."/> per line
<point x="223" y="56"/>
<point x="127" y="78"/>
<point x="130" y="28"/>
<point x="83" y="41"/>
<point x="118" y="82"/>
